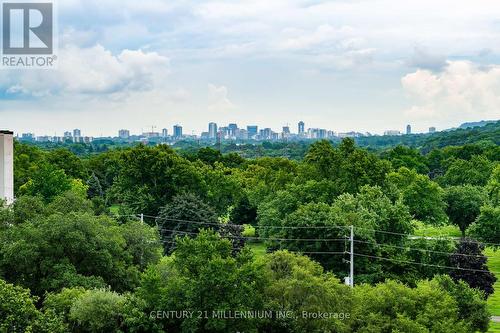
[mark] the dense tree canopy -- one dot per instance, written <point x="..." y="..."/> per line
<point x="464" y="204"/>
<point x="73" y="236"/>
<point x="423" y="197"/>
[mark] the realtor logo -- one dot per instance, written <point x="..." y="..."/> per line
<point x="28" y="34"/>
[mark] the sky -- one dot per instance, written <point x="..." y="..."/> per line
<point x="364" y="65"/>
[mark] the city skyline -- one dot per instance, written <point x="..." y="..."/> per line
<point x="217" y="131"/>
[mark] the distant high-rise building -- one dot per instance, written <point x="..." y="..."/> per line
<point x="232" y="129"/>
<point x="252" y="131"/>
<point x="408" y="129"/>
<point x="7" y="166"/>
<point x="241" y="134"/>
<point x="432" y="129"/>
<point x="164" y="133"/>
<point x="266" y="134"/>
<point x="286" y="130"/>
<point x="178" y="131"/>
<point x="27" y="137"/>
<point x="212" y="130"/>
<point x="301" y="128"/>
<point x="68" y="134"/>
<point x="124" y="134"/>
<point x="77" y="133"/>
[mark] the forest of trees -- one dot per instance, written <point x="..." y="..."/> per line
<point x="76" y="257"/>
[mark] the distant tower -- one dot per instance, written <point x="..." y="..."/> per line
<point x="252" y="131"/>
<point x="178" y="131"/>
<point x="408" y="129"/>
<point x="7" y="166"/>
<point x="124" y="134"/>
<point x="301" y="128"/>
<point x="212" y="130"/>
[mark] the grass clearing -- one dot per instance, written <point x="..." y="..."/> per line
<point x="114" y="209"/>
<point x="494" y="328"/>
<point x="258" y="249"/>
<point x="494" y="300"/>
<point x="432" y="231"/>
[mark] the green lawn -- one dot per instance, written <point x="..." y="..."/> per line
<point x="494" y="300"/>
<point x="447" y="230"/>
<point x="259" y="249"/>
<point x="115" y="209"/>
<point x="494" y="328"/>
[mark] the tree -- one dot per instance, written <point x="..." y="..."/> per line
<point x="474" y="272"/>
<point x="209" y="155"/>
<point x="475" y="171"/>
<point x="149" y="178"/>
<point x="223" y="188"/>
<point x="185" y="215"/>
<point x="297" y="284"/>
<point x="471" y="304"/>
<point x="75" y="249"/>
<point x="323" y="156"/>
<point x="423" y="196"/>
<point x="47" y="182"/>
<point x="203" y="275"/>
<point x="402" y="156"/>
<point x="244" y="212"/>
<point x="19" y="314"/>
<point x="493" y="186"/>
<point x="100" y="310"/>
<point x="393" y="307"/>
<point x="27" y="159"/>
<point x="487" y="226"/>
<point x="464" y="204"/>
<point x="349" y="167"/>
<point x="63" y="159"/>
<point x="94" y="186"/>
<point x="142" y="243"/>
<point x="27" y="208"/>
<point x="306" y="227"/>
<point x="69" y="201"/>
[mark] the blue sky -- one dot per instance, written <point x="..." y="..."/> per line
<point x="344" y="65"/>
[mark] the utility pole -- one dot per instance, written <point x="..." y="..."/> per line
<point x="351" y="276"/>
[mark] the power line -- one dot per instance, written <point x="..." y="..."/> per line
<point x="256" y="227"/>
<point x="424" y="264"/>
<point x="456" y="239"/>
<point x="352" y="240"/>
<point x="381" y="258"/>
<point x="420" y="249"/>
<point x="291" y="251"/>
<point x="352" y="254"/>
<point x="323" y="227"/>
<point x="265" y="238"/>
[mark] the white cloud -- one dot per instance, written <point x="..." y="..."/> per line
<point x="461" y="90"/>
<point x="92" y="71"/>
<point x="217" y="98"/>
